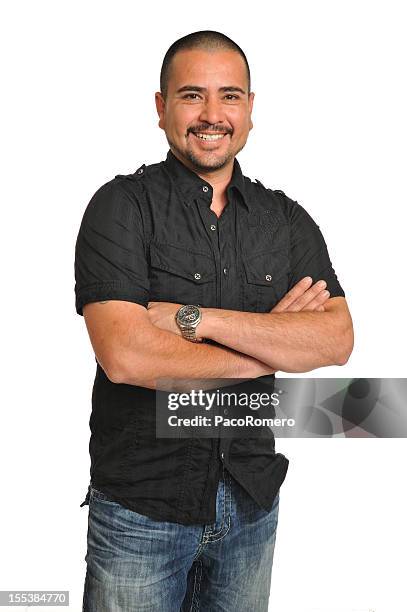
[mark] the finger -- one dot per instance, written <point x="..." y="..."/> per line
<point x="292" y="295"/>
<point x="311" y="294"/>
<point x="318" y="301"/>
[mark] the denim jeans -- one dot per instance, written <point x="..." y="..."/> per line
<point x="137" y="564"/>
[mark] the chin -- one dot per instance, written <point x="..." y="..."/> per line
<point x="208" y="162"/>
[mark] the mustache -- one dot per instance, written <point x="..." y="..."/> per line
<point x="211" y="128"/>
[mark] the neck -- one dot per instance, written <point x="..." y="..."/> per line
<point x="219" y="185"/>
<point x="219" y="179"/>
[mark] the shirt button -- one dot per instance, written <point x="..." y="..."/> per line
<point x="268" y="277"/>
<point x="213" y="227"/>
<point x="205" y="189"/>
<point x="225" y="411"/>
<point x="197" y="275"/>
<point x="225" y="271"/>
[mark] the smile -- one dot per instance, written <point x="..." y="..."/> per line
<point x="208" y="136"/>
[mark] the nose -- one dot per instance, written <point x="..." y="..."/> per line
<point x="211" y="111"/>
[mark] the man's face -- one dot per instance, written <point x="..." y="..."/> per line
<point x="207" y="114"/>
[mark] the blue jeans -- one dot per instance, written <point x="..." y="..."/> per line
<point x="137" y="564"/>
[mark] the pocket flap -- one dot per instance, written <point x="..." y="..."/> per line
<point x="266" y="268"/>
<point x="182" y="262"/>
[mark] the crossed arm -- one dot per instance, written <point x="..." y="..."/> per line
<point x="304" y="330"/>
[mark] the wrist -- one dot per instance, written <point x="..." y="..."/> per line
<point x="206" y="325"/>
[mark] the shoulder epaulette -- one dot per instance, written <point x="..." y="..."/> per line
<point x="139" y="173"/>
<point x="279" y="191"/>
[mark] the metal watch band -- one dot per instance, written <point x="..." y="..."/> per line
<point x="189" y="334"/>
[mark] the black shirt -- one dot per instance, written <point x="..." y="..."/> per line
<point x="151" y="236"/>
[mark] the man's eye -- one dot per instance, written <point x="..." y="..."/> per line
<point x="195" y="96"/>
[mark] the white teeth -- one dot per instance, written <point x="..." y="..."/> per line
<point x="209" y="136"/>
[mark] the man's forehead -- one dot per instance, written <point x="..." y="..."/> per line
<point x="202" y="60"/>
<point x="205" y="63"/>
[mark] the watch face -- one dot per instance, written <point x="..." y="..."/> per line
<point x="188" y="315"/>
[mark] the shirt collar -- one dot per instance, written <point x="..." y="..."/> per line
<point x="193" y="186"/>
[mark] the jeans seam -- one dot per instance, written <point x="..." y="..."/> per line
<point x="197" y="587"/>
<point x="85" y="594"/>
<point x="228" y="497"/>
<point x="212" y="536"/>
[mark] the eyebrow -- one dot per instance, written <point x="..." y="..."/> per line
<point x="204" y="90"/>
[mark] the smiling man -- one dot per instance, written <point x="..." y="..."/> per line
<point x="205" y="108"/>
<point x="187" y="269"/>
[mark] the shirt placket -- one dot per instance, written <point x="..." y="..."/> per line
<point x="216" y="229"/>
<point x="224" y="230"/>
<point x="211" y="225"/>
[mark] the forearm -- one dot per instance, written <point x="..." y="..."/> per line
<point x="153" y="354"/>
<point x="291" y="342"/>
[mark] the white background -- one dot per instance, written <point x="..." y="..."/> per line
<point x="330" y="130"/>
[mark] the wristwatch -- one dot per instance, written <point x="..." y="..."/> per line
<point x="188" y="318"/>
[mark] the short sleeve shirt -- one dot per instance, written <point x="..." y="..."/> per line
<point x="151" y="236"/>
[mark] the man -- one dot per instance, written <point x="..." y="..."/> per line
<point x="188" y="524"/>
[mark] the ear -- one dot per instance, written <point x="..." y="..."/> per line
<point x="251" y="100"/>
<point x="160" y="106"/>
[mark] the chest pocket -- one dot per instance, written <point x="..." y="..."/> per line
<point x="181" y="275"/>
<point x="266" y="280"/>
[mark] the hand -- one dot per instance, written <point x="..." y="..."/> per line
<point x="304" y="296"/>
<point x="162" y="315"/>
